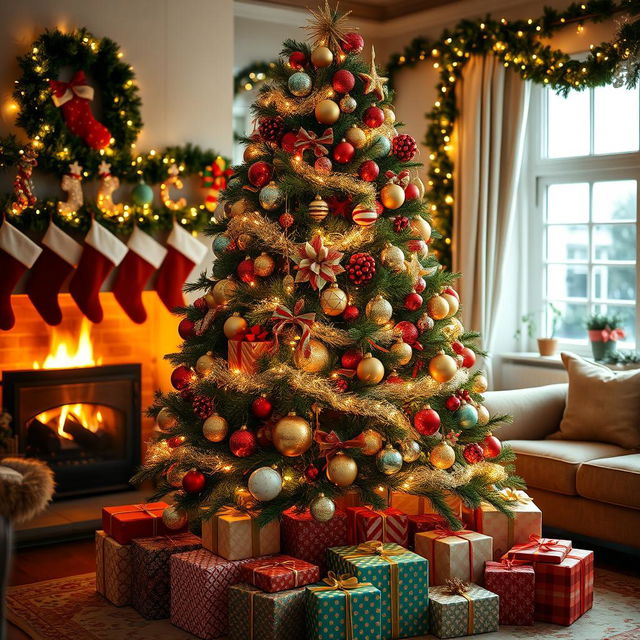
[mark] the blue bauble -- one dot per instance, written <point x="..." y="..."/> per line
<point x="389" y="460"/>
<point x="271" y="196"/>
<point x="381" y="147"/>
<point x="220" y="243"/>
<point x="466" y="416"/>
<point x="300" y="84"/>
<point x="142" y="194"/>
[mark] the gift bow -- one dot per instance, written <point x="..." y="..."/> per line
<point x="283" y="316"/>
<point x="64" y="91"/>
<point x="401" y="179"/>
<point x="289" y="565"/>
<point x="329" y="443"/>
<point x="606" y="334"/>
<point x="375" y="548"/>
<point x="257" y="333"/>
<point x="540" y="544"/>
<point x="508" y="564"/>
<point x="311" y="140"/>
<point x="458" y="587"/>
<point x="514" y="495"/>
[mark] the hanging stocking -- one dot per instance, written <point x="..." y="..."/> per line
<point x="60" y="254"/>
<point x="73" y="98"/>
<point x="145" y="255"/>
<point x="183" y="253"/>
<point x="102" y="252"/>
<point x="17" y="254"/>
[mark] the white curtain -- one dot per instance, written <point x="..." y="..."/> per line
<point x="493" y="104"/>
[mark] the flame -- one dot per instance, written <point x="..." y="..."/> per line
<point x="63" y="356"/>
<point x="88" y="415"/>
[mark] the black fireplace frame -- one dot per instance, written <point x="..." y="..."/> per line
<point x="72" y="481"/>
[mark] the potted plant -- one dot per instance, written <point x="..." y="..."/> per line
<point x="546" y="346"/>
<point x="604" y="333"/>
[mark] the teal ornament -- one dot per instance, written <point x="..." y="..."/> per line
<point x="220" y="243"/>
<point x="381" y="146"/>
<point x="142" y="194"/>
<point x="300" y="84"/>
<point x="466" y="416"/>
<point x="389" y="460"/>
<point x="271" y="196"/>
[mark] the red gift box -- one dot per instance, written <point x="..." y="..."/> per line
<point x="279" y="573"/>
<point x="388" y="525"/>
<point x="426" y="522"/>
<point x="245" y="351"/>
<point x="306" y="538"/>
<point x="540" y="550"/>
<point x="564" y="591"/>
<point x="514" y="581"/>
<point x="131" y="521"/>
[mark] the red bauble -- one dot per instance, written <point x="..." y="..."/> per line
<point x="263" y="436"/>
<point x="379" y="207"/>
<point x="361" y="268"/>
<point x="394" y="378"/>
<point x="201" y="304"/>
<point x="323" y="165"/>
<point x="350" y="358"/>
<point x="343" y="152"/>
<point x="286" y="220"/>
<point x="407" y="330"/>
<point x="369" y="171"/>
<point x="452" y="403"/>
<point x="193" y="481"/>
<point x="473" y="453"/>
<point x="297" y="60"/>
<point x="400" y="223"/>
<point x="420" y="285"/>
<point x="271" y="128"/>
<point x="242" y="443"/>
<point x="245" y="270"/>
<point x="288" y="140"/>
<point x="181" y="377"/>
<point x="373" y="117"/>
<point x="343" y="81"/>
<point x="311" y="473"/>
<point x="185" y="328"/>
<point x="426" y="422"/>
<point x="351" y="313"/>
<point x="260" y="174"/>
<point x="413" y="301"/>
<point x="176" y="441"/>
<point x="404" y="147"/>
<point x="457" y="347"/>
<point x="491" y="446"/>
<point x="452" y="292"/>
<point x="464" y="394"/>
<point x="203" y="406"/>
<point x="416" y="245"/>
<point x="341" y="384"/>
<point x="261" y="408"/>
<point x="469" y="357"/>
<point x="352" y="43"/>
<point x="411" y="192"/>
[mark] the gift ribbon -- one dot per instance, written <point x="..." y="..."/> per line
<point x="251" y="594"/>
<point x="606" y="334"/>
<point x="284" y="564"/>
<point x="445" y="532"/>
<point x="230" y="511"/>
<point x="311" y="140"/>
<point x="401" y="179"/>
<point x="344" y="583"/>
<point x="517" y="566"/>
<point x="513" y="495"/>
<point x="457" y="587"/>
<point x="284" y="316"/>
<point x="329" y="444"/>
<point x="62" y="92"/>
<point x="540" y="545"/>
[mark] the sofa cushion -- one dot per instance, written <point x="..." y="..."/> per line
<point x="553" y="464"/>
<point x="613" y="480"/>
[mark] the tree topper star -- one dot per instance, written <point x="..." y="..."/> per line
<point x="328" y="26"/>
<point x="372" y="81"/>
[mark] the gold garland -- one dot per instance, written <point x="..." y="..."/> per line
<point x="422" y="478"/>
<point x="273" y="97"/>
<point x="420" y="388"/>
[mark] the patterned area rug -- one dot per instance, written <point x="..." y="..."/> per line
<point x="70" y="609"/>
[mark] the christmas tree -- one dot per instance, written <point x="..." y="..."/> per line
<point x="326" y="354"/>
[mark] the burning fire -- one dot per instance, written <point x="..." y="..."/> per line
<point x="63" y="356"/>
<point x="89" y="416"/>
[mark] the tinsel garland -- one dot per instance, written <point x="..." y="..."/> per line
<point x="420" y="389"/>
<point x="271" y="96"/>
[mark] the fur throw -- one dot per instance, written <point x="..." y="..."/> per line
<point x="22" y="498"/>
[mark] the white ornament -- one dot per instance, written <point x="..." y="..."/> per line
<point x="72" y="184"/>
<point x="108" y="184"/>
<point x="265" y="484"/>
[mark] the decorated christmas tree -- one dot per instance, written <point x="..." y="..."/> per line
<point x="326" y="354"/>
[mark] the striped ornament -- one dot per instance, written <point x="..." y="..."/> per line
<point x="318" y="209"/>
<point x="364" y="216"/>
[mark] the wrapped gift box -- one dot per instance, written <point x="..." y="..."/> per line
<point x="388" y="525"/>
<point x="402" y="578"/>
<point x="136" y="521"/>
<point x="352" y="533"/>
<point x="305" y="538"/>
<point x="279" y="573"/>
<point x="244" y="354"/>
<point x="255" y="615"/>
<point x="454" y="554"/>
<point x="515" y="584"/>
<point x="113" y="569"/>
<point x="564" y="591"/>
<point x="337" y="613"/>
<point x="200" y="584"/>
<point x="151" y="593"/>
<point x="235" y="535"/>
<point x="418" y="505"/>
<point x="538" y="549"/>
<point x="426" y="522"/>
<point x="454" y="615"/>
<point x="350" y="498"/>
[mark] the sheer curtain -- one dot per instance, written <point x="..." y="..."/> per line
<point x="493" y="102"/>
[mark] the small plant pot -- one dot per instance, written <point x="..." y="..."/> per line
<point x="603" y="351"/>
<point x="547" y="346"/>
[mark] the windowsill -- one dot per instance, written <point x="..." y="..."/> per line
<point x="534" y="359"/>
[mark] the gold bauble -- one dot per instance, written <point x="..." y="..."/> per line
<point x="165" y="420"/>
<point x="370" y="370"/>
<point x="392" y="196"/>
<point x="174" y="518"/>
<point x="402" y="352"/>
<point x="292" y="435"/>
<point x="243" y="498"/>
<point x="333" y="300"/>
<point x="322" y="508"/>
<point x="210" y="299"/>
<point x="321" y="57"/>
<point x="453" y="330"/>
<point x="239" y="207"/>
<point x="437" y="307"/>
<point x="379" y="310"/>
<point x="234" y="325"/>
<point x="342" y="470"/>
<point x="317" y="361"/>
<point x="389" y="115"/>
<point x="223" y="291"/>
<point x="252" y="152"/>
<point x="205" y="363"/>
<point x="483" y="415"/>
<point x="453" y="302"/>
<point x="356" y="136"/>
<point x="479" y="384"/>
<point x="420" y="186"/>
<point x="372" y="442"/>
<point x="420" y="228"/>
<point x="327" y="112"/>
<point x="243" y="241"/>
<point x="442" y="456"/>
<point x="215" y="428"/>
<point x="174" y="475"/>
<point x="393" y="258"/>
<point x="264" y="265"/>
<point x="442" y="367"/>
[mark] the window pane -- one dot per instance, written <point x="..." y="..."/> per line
<point x="614" y="200"/>
<point x="614" y="242"/>
<point x="614" y="283"/>
<point x="567" y="281"/>
<point x="568" y="124"/>
<point x="567" y="242"/>
<point x="571" y="323"/>
<point x="615" y="119"/>
<point x="568" y="202"/>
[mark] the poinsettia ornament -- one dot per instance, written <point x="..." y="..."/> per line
<point x="318" y="265"/>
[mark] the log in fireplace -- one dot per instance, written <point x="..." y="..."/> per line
<point x="83" y="422"/>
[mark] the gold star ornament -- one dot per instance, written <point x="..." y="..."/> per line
<point x="373" y="83"/>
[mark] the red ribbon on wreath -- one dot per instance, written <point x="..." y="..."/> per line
<point x="283" y="316"/>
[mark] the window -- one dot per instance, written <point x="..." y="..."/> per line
<point x="585" y="156"/>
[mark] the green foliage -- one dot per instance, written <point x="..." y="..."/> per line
<point x="600" y="321"/>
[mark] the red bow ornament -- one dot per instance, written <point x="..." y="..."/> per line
<point x="329" y="443"/>
<point x="401" y="179"/>
<point x="311" y="140"/>
<point x="283" y="316"/>
<point x="257" y="333"/>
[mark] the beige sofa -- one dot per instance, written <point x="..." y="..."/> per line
<point x="586" y="488"/>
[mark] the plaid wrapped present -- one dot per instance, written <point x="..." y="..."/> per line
<point x="254" y="615"/>
<point x="341" y="608"/>
<point x="200" y="584"/>
<point x="151" y="596"/>
<point x="400" y="575"/>
<point x="388" y="525"/>
<point x="454" y="554"/>
<point x="515" y="583"/>
<point x="279" y="573"/>
<point x="243" y="354"/>
<point x="113" y="569"/>
<point x="541" y="550"/>
<point x="136" y="521"/>
<point x="564" y="591"/>
<point x="419" y="505"/>
<point x="462" y="609"/>
<point x="426" y="522"/>
<point x="306" y="538"/>
<point x="235" y="535"/>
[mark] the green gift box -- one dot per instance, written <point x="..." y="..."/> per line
<point x="342" y="608"/>
<point x="401" y="576"/>
<point x="462" y="609"/>
<point x="256" y="615"/>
